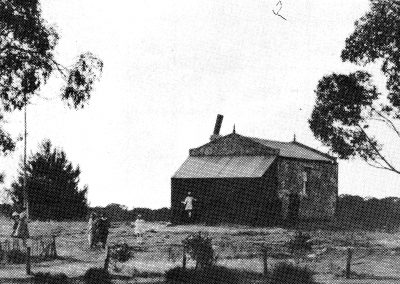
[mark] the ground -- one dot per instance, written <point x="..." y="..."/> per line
<point x="376" y="256"/>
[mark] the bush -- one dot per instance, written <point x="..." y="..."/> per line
<point x="16" y="256"/>
<point x="47" y="278"/>
<point x="209" y="275"/>
<point x="97" y="276"/>
<point x="122" y="252"/>
<point x="285" y="273"/>
<point x="199" y="247"/>
<point x="300" y="242"/>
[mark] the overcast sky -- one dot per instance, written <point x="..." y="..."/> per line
<point x="170" y="67"/>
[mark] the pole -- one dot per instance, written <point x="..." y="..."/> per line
<point x="183" y="257"/>
<point x="348" y="264"/>
<point x="107" y="259"/>
<point x="28" y="261"/>
<point x="265" y="260"/>
<point x="26" y="203"/>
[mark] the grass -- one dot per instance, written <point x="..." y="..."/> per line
<point x="236" y="248"/>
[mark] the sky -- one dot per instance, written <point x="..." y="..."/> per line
<point x="170" y="66"/>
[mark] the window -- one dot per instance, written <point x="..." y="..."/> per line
<point x="306" y="177"/>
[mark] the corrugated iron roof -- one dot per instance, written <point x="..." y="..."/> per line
<point x="224" y="167"/>
<point x="294" y="150"/>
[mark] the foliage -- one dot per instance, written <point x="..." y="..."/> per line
<point x="210" y="275"/>
<point x="122" y="252"/>
<point x="285" y="273"/>
<point x="299" y="242"/>
<point x="97" y="276"/>
<point x="47" y="278"/>
<point x="6" y="209"/>
<point x="199" y="247"/>
<point x="27" y="60"/>
<point x="358" y="213"/>
<point x="118" y="212"/>
<point x="16" y="256"/>
<point x="52" y="186"/>
<point x="348" y="106"/>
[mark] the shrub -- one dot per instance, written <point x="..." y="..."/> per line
<point x="16" y="256"/>
<point x="122" y="252"/>
<point x="47" y="278"/>
<point x="300" y="242"/>
<point x="285" y="273"/>
<point x="209" y="275"/>
<point x="97" y="276"/>
<point x="199" y="247"/>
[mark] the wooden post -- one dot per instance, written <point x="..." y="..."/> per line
<point x="183" y="257"/>
<point x="107" y="260"/>
<point x="265" y="260"/>
<point x="28" y="261"/>
<point x="54" y="253"/>
<point x="348" y="264"/>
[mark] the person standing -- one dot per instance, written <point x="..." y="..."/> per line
<point x="92" y="229"/>
<point x="139" y="229"/>
<point x="22" y="231"/>
<point x="188" y="202"/>
<point x="104" y="226"/>
<point x="15" y="217"/>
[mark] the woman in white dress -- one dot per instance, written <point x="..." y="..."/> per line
<point x="139" y="229"/>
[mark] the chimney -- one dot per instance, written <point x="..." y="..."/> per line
<point x="217" y="127"/>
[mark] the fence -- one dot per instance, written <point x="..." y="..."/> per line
<point x="13" y="250"/>
<point x="342" y="262"/>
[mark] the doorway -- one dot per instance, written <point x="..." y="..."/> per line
<point x="293" y="210"/>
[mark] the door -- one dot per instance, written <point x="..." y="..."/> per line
<point x="294" y="205"/>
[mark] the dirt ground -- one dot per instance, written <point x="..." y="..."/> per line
<point x="376" y="256"/>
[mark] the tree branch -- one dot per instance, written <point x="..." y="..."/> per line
<point x="387" y="121"/>
<point x="379" y="166"/>
<point x="389" y="166"/>
<point x="58" y="66"/>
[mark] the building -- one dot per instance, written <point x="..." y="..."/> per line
<point x="240" y="179"/>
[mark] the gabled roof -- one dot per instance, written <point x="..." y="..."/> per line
<point x="295" y="150"/>
<point x="224" y="167"/>
<point x="238" y="145"/>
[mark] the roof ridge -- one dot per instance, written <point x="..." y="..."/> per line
<point x="315" y="150"/>
<point x="325" y="155"/>
<point x="271" y="140"/>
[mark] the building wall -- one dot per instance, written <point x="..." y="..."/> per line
<point x="322" y="187"/>
<point x="234" y="200"/>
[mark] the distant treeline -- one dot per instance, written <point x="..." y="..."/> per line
<point x="353" y="212"/>
<point x="370" y="214"/>
<point x="117" y="212"/>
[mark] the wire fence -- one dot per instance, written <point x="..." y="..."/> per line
<point x="13" y="250"/>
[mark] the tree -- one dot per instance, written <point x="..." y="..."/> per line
<point x="348" y="105"/>
<point x="52" y="186"/>
<point x="27" y="60"/>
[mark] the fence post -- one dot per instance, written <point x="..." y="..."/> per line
<point x="348" y="264"/>
<point x="54" y="247"/>
<point x="183" y="257"/>
<point x="28" y="260"/>
<point x="107" y="260"/>
<point x="265" y="260"/>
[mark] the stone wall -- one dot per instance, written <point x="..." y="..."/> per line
<point x="321" y="190"/>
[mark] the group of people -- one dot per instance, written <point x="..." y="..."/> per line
<point x="20" y="226"/>
<point x="98" y="229"/>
